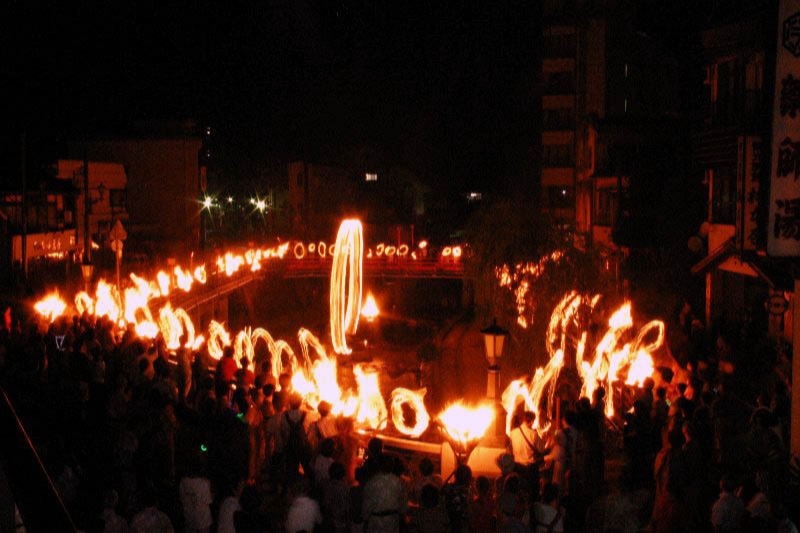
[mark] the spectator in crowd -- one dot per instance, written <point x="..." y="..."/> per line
<point x="304" y="512"/>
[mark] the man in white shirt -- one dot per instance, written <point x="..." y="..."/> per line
<point x="524" y="440"/>
<point x="196" y="498"/>
<point x="304" y="513"/>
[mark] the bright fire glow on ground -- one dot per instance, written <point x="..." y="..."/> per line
<point x="615" y="362"/>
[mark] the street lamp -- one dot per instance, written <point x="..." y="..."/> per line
<point x="494" y="338"/>
<point x="86" y="270"/>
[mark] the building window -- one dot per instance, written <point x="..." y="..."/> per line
<point x="558" y="119"/>
<point x="558" y="155"/>
<point x="370" y="177"/>
<point x="558" y="45"/>
<point x="754" y="88"/>
<point x="723" y="92"/>
<point x="560" y="197"/>
<point x="118" y="198"/>
<point x="562" y="82"/>
<point x="723" y="206"/>
<point x="606" y="207"/>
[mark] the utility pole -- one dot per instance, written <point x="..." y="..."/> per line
<point x="86" y="266"/>
<point x="24" y="171"/>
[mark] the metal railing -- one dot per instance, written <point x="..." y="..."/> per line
<point x="34" y="493"/>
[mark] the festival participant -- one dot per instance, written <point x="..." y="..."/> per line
<point x="347" y="447"/>
<point x="304" y="513"/>
<point x="457" y="497"/>
<point x="228" y="508"/>
<point x="225" y="372"/>
<point x="667" y="514"/>
<point x="323" y="427"/>
<point x="112" y="522"/>
<point x="385" y="500"/>
<point x="426" y="476"/>
<point x="482" y="508"/>
<point x="548" y="515"/>
<point x="555" y="462"/>
<point x="151" y="519"/>
<point x="295" y="450"/>
<point x="528" y="449"/>
<point x="728" y="511"/>
<point x="512" y="504"/>
<point x="245" y="378"/>
<point x="323" y="461"/>
<point x="430" y="516"/>
<point x="194" y="493"/>
<point x="336" y="499"/>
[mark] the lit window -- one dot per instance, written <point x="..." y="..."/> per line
<point x="370" y="177"/>
<point x="474" y="197"/>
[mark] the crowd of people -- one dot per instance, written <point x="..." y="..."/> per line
<point x="136" y="438"/>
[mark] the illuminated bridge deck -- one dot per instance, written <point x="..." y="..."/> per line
<point x="379" y="268"/>
<point x="220" y="285"/>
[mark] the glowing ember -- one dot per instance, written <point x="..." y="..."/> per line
<point x="370" y="309"/>
<point x="51" y="307"/>
<point x="345" y="291"/>
<point x="413" y="399"/>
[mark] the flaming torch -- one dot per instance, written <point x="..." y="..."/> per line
<point x="464" y="426"/>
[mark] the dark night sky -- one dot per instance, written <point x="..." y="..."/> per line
<point x="443" y="88"/>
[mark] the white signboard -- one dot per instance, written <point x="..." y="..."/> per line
<point x="784" y="202"/>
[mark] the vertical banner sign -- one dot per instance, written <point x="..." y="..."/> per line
<point x="784" y="202"/>
<point x="750" y="164"/>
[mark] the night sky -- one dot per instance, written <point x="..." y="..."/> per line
<point x="442" y="88"/>
<point x="445" y="89"/>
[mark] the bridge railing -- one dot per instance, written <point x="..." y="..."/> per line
<point x="379" y="267"/>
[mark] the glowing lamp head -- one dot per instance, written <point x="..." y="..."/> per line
<point x="208" y="202"/>
<point x="494" y="341"/>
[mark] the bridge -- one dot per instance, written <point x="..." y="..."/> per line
<point x="219" y="285"/>
<point x="389" y="268"/>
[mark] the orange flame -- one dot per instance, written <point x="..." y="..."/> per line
<point x="345" y="292"/>
<point x="400" y="397"/>
<point x="466" y="425"/>
<point x="51" y="306"/>
<point x="372" y="411"/>
<point x="370" y="309"/>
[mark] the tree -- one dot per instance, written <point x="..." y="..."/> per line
<point x="541" y="267"/>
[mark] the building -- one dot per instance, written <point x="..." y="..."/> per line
<point x="729" y="150"/>
<point x="107" y="188"/>
<point x="162" y="162"/>
<point x="38" y="239"/>
<point x="608" y="104"/>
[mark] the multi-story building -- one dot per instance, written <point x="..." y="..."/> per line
<point x="729" y="152"/>
<point x="38" y="236"/>
<point x="609" y="96"/>
<point x="165" y="183"/>
<point x="106" y="203"/>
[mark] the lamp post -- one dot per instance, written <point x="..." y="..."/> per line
<point x="494" y="338"/>
<point x="86" y="270"/>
